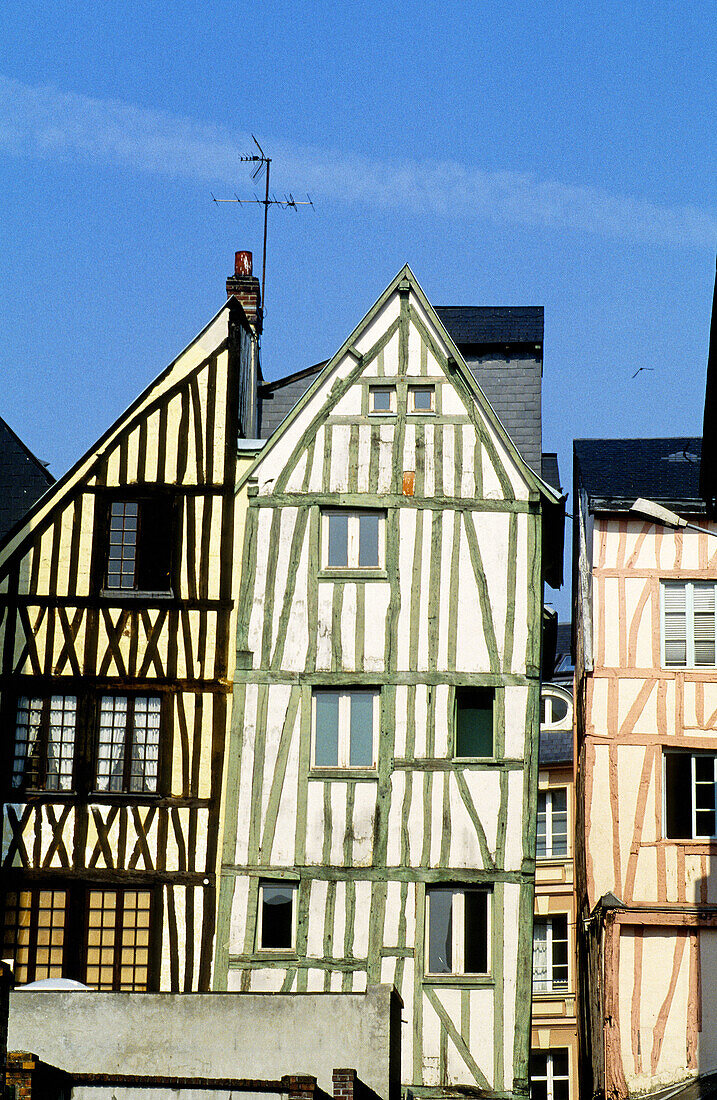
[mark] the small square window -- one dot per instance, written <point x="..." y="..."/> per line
<point x="353" y="539"/>
<point x="458" y="931"/>
<point x="382" y="400"/>
<point x="421" y="399"/>
<point x="277" y="916"/>
<point x="345" y="725"/>
<point x="474" y="722"/>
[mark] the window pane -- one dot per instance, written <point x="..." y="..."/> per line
<point x="338" y="539"/>
<point x="110" y="750"/>
<point x="381" y="398"/>
<point x="368" y="540"/>
<point x="122" y="549"/>
<point x="61" y="743"/>
<point x="145" y="744"/>
<point x="277" y="917"/>
<point x="27" y="762"/>
<point x="361" y="749"/>
<point x="474" y="722"/>
<point x="421" y="398"/>
<point x="440" y="931"/>
<point x="540" y="956"/>
<point x="540" y="843"/>
<point x="560" y="1063"/>
<point x="476" y="932"/>
<point x="559" y="818"/>
<point x="326" y="745"/>
<point x="678" y="795"/>
<point x="559" y="709"/>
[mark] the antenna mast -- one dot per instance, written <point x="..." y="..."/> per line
<point x="288" y="202"/>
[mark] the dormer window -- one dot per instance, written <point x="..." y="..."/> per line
<point x="139" y="536"/>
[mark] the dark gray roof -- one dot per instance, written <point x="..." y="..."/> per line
<point x="493" y="324"/>
<point x="277" y="399"/>
<point x="550" y="471"/>
<point x="614" y="472"/>
<point x="556" y="747"/>
<point x="562" y="644"/>
<point x="23" y="478"/>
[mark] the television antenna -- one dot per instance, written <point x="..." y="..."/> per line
<point x="263" y="163"/>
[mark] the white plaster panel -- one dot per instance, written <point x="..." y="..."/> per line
<point x="348" y="629"/>
<point x="340" y="435"/>
<point x="516" y="701"/>
<point x="449" y="459"/>
<point x="363" y="822"/>
<point x="599" y="831"/>
<point x="323" y="646"/>
<point x="407" y="518"/>
<point x="317" y="912"/>
<point x="395" y="818"/>
<point x="315" y="823"/>
<point x="443" y="724"/>
<point x="296" y="641"/>
<point x="244" y="779"/>
<point x="467" y="473"/>
<point x="451" y="402"/>
<point x="350" y="403"/>
<point x="338" y="823"/>
<point x="283" y="852"/>
<point x="383" y="320"/>
<point x="364" y="457"/>
<point x="401" y="717"/>
<point x="378" y="595"/>
<point x="446" y="519"/>
<point x="429" y="469"/>
<point x="471" y="649"/>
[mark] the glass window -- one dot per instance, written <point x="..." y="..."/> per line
<point x="421" y="399"/>
<point x="474" y="721"/>
<point x="353" y="539"/>
<point x="345" y="727"/>
<point x="457" y="930"/>
<point x="139" y="549"/>
<point x="44" y="749"/>
<point x="382" y="399"/>
<point x="34" y="933"/>
<point x="549" y="1077"/>
<point x="552" y="838"/>
<point x="117" y="939"/>
<point x="276" y="916"/>
<point x="128" y="744"/>
<point x="550" y="954"/>
<point x="688" y="624"/>
<point x="690" y="795"/>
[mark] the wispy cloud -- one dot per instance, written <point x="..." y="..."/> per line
<point x="45" y="122"/>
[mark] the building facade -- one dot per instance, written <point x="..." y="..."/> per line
<point x="646" y="717"/>
<point x="554" y="1053"/>
<point x="117" y="641"/>
<point x="381" y="805"/>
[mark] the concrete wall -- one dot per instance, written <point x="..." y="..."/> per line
<point x="218" y="1035"/>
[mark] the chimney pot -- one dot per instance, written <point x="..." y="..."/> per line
<point x="242" y="263"/>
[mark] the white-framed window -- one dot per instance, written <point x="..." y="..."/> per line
<point x="458" y="930"/>
<point x="688" y="624"/>
<point x="552" y="837"/>
<point x="353" y="539"/>
<point x="345" y="727"/>
<point x="421" y="399"/>
<point x="276" y="922"/>
<point x="549" y="1074"/>
<point x="554" y="710"/>
<point x="550" y="954"/>
<point x="382" y="400"/>
<point x="690" y="785"/>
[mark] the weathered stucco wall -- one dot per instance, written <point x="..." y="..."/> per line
<point x="219" y="1035"/>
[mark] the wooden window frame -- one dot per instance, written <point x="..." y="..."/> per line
<point x="550" y="985"/>
<point x="458" y="690"/>
<point x="549" y="792"/>
<point x="119" y="930"/>
<point x="550" y="1076"/>
<point x="420" y="387"/>
<point x="458" y="930"/>
<point x="42" y="743"/>
<point x="353" y="548"/>
<point x="383" y="387"/>
<point x="693" y="757"/>
<point x="149" y="499"/>
<point x="288" y="885"/>
<point x="689" y="586"/>
<point x="345" y="695"/>
<point x="130" y="731"/>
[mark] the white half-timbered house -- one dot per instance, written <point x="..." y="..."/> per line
<point x="381" y="795"/>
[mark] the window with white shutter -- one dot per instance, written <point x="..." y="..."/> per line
<point x="688" y="624"/>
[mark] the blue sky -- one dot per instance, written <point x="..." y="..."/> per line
<point x="513" y="153"/>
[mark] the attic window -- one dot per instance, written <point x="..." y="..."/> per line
<point x="382" y="400"/>
<point x="139" y="538"/>
<point x="421" y="399"/>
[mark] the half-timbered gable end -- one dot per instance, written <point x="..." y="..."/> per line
<point x="380" y="814"/>
<point x="116" y="614"/>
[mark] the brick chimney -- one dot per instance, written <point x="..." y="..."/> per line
<point x="245" y="286"/>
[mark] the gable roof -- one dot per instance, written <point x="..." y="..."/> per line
<point x="535" y="482"/>
<point x="211" y="336"/>
<point x="23" y="478"/>
<point x="615" y="472"/>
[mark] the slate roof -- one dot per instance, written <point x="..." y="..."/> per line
<point x="493" y="324"/>
<point x="277" y="399"/>
<point x="614" y="472"/>
<point x="556" y="747"/>
<point x="23" y="478"/>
